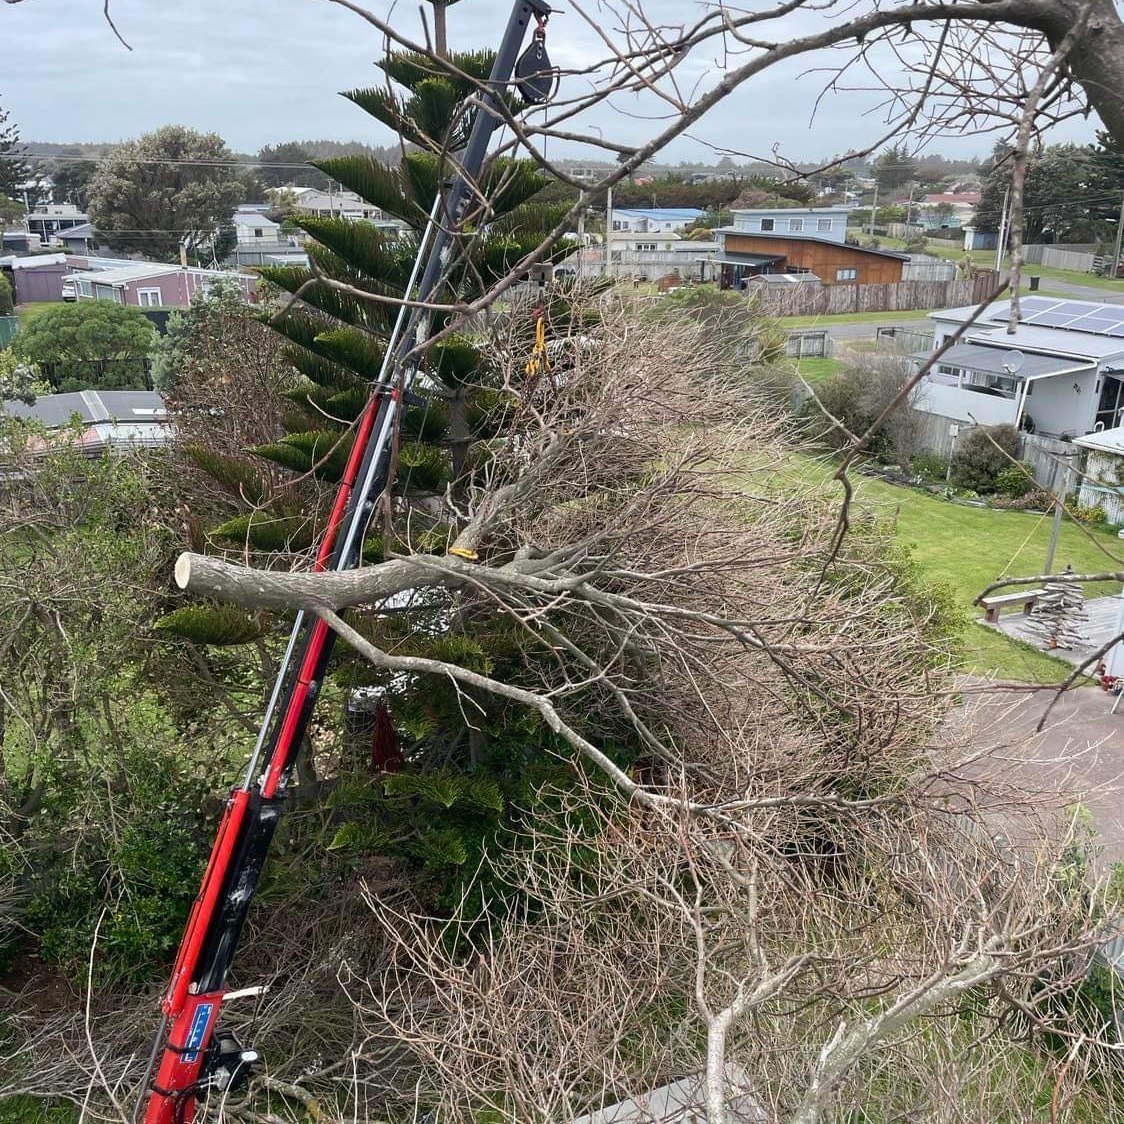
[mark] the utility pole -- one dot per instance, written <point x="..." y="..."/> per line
<point x="1059" y="511"/>
<point x="874" y="209"/>
<point x="1001" y="244"/>
<point x="608" y="232"/>
<point x="909" y="208"/>
<point x="1119" y="240"/>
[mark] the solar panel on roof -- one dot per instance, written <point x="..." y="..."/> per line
<point x="1039" y="304"/>
<point x="1098" y="324"/>
<point x="1117" y="333"/>
<point x="1050" y="319"/>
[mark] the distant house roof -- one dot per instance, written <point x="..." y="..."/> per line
<point x="733" y="258"/>
<point x="57" y="410"/>
<point x="1106" y="441"/>
<point x="86" y="230"/>
<point x="31" y="261"/>
<point x="801" y="238"/>
<point x="249" y="217"/>
<point x="997" y="360"/>
<point x="111" y="419"/>
<point x="666" y="213"/>
<point x="970" y="198"/>
<point x="793" y="210"/>
<point x="125" y="274"/>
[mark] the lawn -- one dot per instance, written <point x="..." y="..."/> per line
<point x="966" y="548"/>
<point x="816" y="369"/>
<point x="851" y="318"/>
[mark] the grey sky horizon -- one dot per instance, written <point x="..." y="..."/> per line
<point x="263" y="71"/>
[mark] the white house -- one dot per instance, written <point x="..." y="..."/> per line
<point x="822" y="223"/>
<point x="1060" y="374"/>
<point x="253" y="226"/>
<point x="653" y="220"/>
<point x="1102" y="482"/>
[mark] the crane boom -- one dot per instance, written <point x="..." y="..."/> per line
<point x="190" y="1054"/>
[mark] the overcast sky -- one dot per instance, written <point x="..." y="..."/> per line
<point x="262" y="71"/>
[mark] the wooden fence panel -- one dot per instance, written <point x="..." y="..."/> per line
<point x="839" y="300"/>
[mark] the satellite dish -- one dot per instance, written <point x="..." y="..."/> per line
<point x="1013" y="362"/>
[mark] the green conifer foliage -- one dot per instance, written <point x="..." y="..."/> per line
<point x="461" y="789"/>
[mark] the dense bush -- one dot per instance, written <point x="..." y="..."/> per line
<point x="929" y="466"/>
<point x="91" y="345"/>
<point x="7" y="300"/>
<point x="855" y="398"/>
<point x="1015" y="480"/>
<point x="1036" y="499"/>
<point x="982" y="454"/>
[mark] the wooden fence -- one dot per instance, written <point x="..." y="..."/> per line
<point x="805" y="345"/>
<point x="837" y="300"/>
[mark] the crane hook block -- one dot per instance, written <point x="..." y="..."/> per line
<point x="534" y="76"/>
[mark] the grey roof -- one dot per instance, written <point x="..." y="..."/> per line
<point x="995" y="360"/>
<point x="797" y="237"/>
<point x="795" y="210"/>
<point x="780" y="279"/>
<point x="86" y="230"/>
<point x="128" y="273"/>
<point x="732" y="257"/>
<point x="1084" y="328"/>
<point x="1104" y="441"/>
<point x="56" y="410"/>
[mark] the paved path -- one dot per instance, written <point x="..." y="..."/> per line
<point x="1079" y="757"/>
<point x="1079" y="292"/>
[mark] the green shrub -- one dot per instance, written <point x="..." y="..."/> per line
<point x="1015" y="480"/>
<point x="1088" y="514"/>
<point x="7" y="300"/>
<point x="1037" y="499"/>
<point x="929" y="466"/>
<point x="982" y="454"/>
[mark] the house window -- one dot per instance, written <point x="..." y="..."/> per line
<point x="795" y="224"/>
<point x="645" y="245"/>
<point x="823" y="225"/>
<point x="768" y="224"/>
<point x="846" y="275"/>
<point x="258" y="232"/>
<point x="149" y="298"/>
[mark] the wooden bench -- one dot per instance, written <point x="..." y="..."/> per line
<point x="993" y="606"/>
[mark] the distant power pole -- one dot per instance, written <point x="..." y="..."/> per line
<point x="608" y="232"/>
<point x="1001" y="244"/>
<point x="874" y="209"/>
<point x="1119" y="239"/>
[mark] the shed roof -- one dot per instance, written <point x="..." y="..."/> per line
<point x="685" y="213"/>
<point x="1106" y="441"/>
<point x="56" y="410"/>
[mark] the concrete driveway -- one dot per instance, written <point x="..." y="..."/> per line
<point x="1077" y="759"/>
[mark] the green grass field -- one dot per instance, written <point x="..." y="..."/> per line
<point x="851" y="318"/>
<point x="814" y="370"/>
<point x="967" y="548"/>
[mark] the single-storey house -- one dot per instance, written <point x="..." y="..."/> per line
<point x="1060" y="374"/>
<point x="82" y="239"/>
<point x="150" y="285"/>
<point x="654" y="220"/>
<point x="1102" y="481"/>
<point x="254" y="226"/>
<point x="800" y="240"/>
<point x="111" y="420"/>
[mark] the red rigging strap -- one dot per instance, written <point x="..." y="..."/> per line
<point x="196" y="1055"/>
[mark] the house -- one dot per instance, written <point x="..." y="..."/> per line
<point x="150" y="285"/>
<point x="36" y="277"/>
<point x="342" y="204"/>
<point x="645" y="257"/>
<point x="48" y="219"/>
<point x="800" y="240"/>
<point x="1059" y="375"/>
<point x="111" y="420"/>
<point x="1102" y="482"/>
<point x="953" y="208"/>
<point x="653" y="220"/>
<point x="253" y="226"/>
<point x="81" y="239"/>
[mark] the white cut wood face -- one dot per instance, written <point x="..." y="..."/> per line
<point x="682" y="1102"/>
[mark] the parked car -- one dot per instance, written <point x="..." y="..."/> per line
<point x="69" y="290"/>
